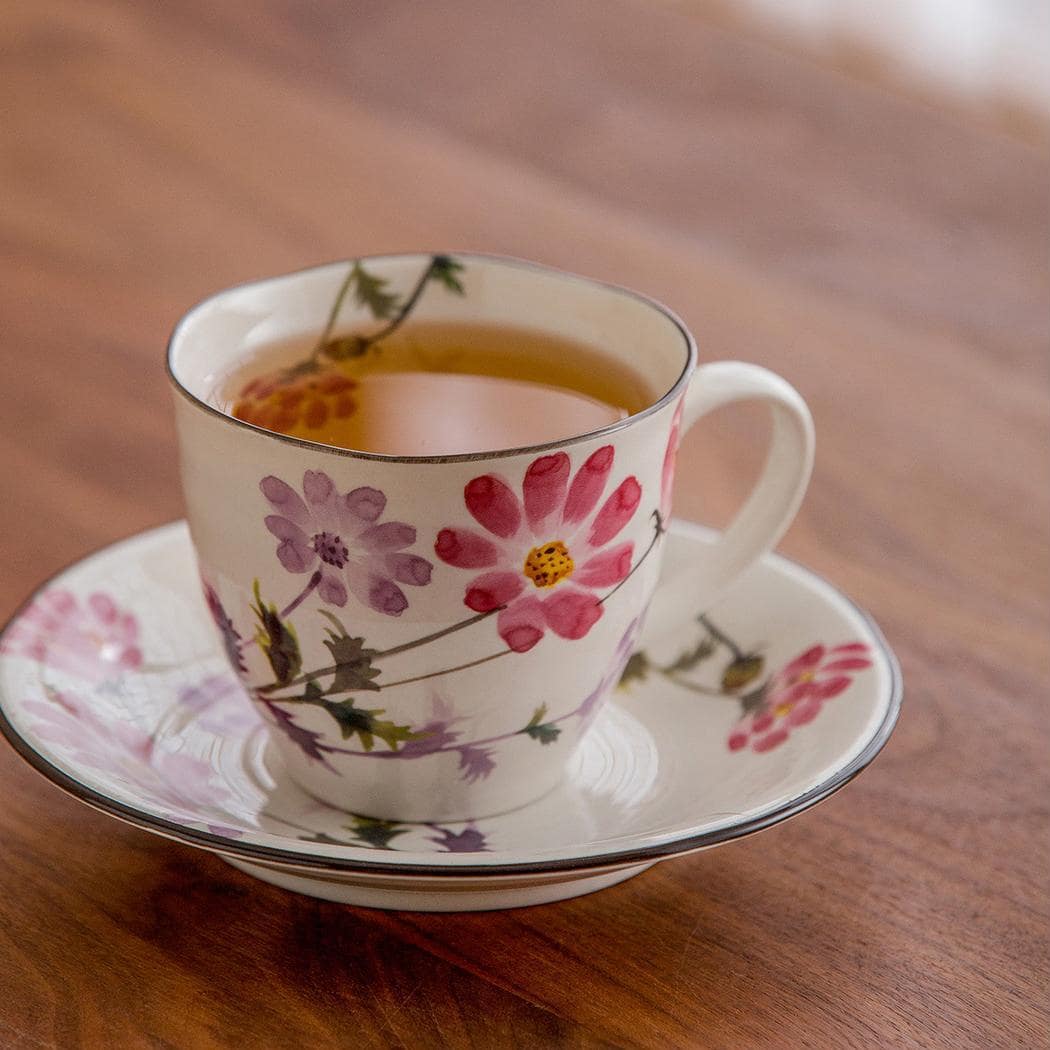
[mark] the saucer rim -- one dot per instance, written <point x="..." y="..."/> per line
<point x="224" y="846"/>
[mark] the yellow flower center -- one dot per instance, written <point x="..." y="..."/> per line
<point x="806" y="676"/>
<point x="549" y="563"/>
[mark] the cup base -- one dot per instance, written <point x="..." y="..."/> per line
<point x="416" y="798"/>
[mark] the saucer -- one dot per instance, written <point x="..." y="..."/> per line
<point x="114" y="686"/>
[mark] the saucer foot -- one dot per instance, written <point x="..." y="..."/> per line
<point x="420" y="893"/>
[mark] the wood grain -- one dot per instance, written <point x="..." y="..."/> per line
<point x="889" y="259"/>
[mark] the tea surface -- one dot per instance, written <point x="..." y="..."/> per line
<point x="438" y="388"/>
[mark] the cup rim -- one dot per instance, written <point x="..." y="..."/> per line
<point x="458" y="457"/>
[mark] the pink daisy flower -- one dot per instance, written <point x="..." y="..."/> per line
<point x="546" y="557"/>
<point x="797" y="692"/>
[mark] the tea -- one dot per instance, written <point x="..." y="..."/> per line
<point x="437" y="388"/>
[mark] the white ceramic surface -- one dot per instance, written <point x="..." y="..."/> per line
<point x="499" y="589"/>
<point x="114" y="687"/>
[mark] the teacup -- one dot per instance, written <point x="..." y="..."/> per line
<point x="429" y="638"/>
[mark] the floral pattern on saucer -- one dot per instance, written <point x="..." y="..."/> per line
<point x="91" y="637"/>
<point x="177" y="786"/>
<point x="769" y="711"/>
<point x="168" y="738"/>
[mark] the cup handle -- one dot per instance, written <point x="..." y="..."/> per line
<point x="773" y="502"/>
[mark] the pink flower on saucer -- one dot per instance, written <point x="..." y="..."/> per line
<point x="93" y="639"/>
<point x="797" y="692"/>
<point x="178" y="785"/>
<point x="670" y="455"/>
<point x="220" y="705"/>
<point x="544" y="558"/>
<point x="341" y="540"/>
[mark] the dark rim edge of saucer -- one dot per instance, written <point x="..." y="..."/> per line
<point x="224" y="846"/>
<point x="511" y="262"/>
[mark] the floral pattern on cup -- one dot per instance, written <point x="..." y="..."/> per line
<point x="91" y="638"/>
<point x="339" y="538"/>
<point x="437" y="734"/>
<point x="544" y="558"/>
<point x="478" y="758"/>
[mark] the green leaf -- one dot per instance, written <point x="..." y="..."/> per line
<point x="445" y="270"/>
<point x="691" y="657"/>
<point x="277" y="640"/>
<point x="376" y="833"/>
<point x="742" y="671"/>
<point x="353" y="662"/>
<point x="365" y="724"/>
<point x="544" y="732"/>
<point x="321" y="836"/>
<point x="635" y="670"/>
<point x="371" y="291"/>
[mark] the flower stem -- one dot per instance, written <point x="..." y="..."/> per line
<point x="720" y="636"/>
<point x="296" y="602"/>
<point x="694" y="688"/>
<point x="452" y="747"/>
<point x="387" y="685"/>
<point x="447" y="670"/>
<point x="394" y="651"/>
<point x="333" y="314"/>
<point x="365" y="341"/>
<point x="657" y="533"/>
<point x="434" y="636"/>
<point x="444" y="632"/>
<point x="404" y="311"/>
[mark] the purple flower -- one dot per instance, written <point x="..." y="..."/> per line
<point x="476" y="763"/>
<point x="220" y="705"/>
<point x="306" y="740"/>
<point x="469" y="840"/>
<point x="438" y="732"/>
<point x="439" y="735"/>
<point x="231" y="637"/>
<point x="592" y="704"/>
<point x="341" y="540"/>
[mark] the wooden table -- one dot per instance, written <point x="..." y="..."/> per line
<point x="889" y="259"/>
